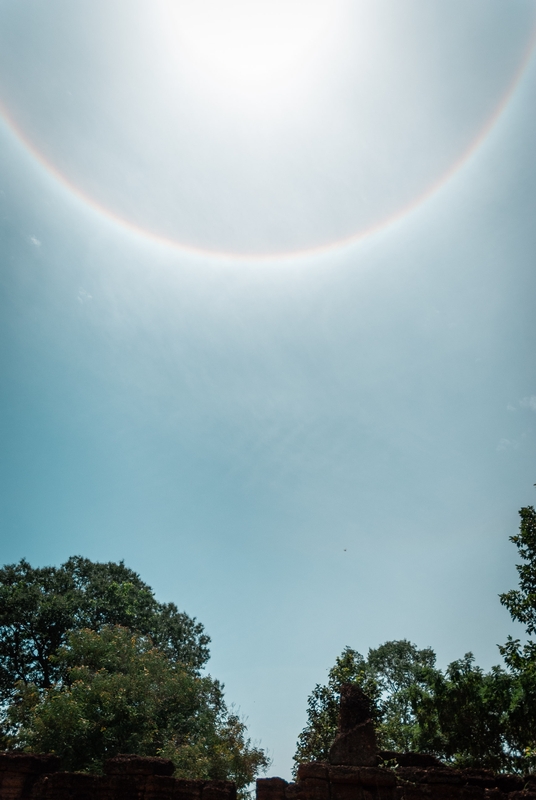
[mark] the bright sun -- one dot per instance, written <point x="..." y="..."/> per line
<point x="253" y="46"/>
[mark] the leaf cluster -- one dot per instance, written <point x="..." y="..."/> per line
<point x="40" y="606"/>
<point x="462" y="714"/>
<point x="92" y="665"/>
<point x="119" y="693"/>
<point x="388" y="676"/>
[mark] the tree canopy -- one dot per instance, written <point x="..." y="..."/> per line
<point x="462" y="714"/>
<point x="388" y="675"/>
<point x="117" y="693"/>
<point x="39" y="606"/>
<point x="91" y="665"/>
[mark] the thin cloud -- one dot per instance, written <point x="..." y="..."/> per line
<point x="507" y="444"/>
<point x="35" y="241"/>
<point x="84" y="297"/>
<point x="529" y="402"/>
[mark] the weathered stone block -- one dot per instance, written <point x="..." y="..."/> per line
<point x="187" y="790"/>
<point x="355" y="707"/>
<point x="412" y="774"/>
<point x="479" y="777"/>
<point x="313" y="789"/>
<point x="344" y="773"/>
<point x="138" y="765"/>
<point x="19" y="773"/>
<point x="292" y="791"/>
<point x="218" y="790"/>
<point x="445" y="791"/>
<point x="28" y="764"/>
<point x="159" y="787"/>
<point x="15" y="785"/>
<point x="68" y="786"/>
<point x="510" y="783"/>
<point x="446" y="777"/>
<point x="494" y="794"/>
<point x="314" y="769"/>
<point x="413" y="791"/>
<point x="472" y="793"/>
<point x="376" y="777"/>
<point x="124" y="787"/>
<point x="348" y="791"/>
<point x="523" y="795"/>
<point x="271" y="788"/>
<point x="410" y="759"/>
<point x="356" y="747"/>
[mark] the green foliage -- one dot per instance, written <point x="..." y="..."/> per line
<point x="473" y="718"/>
<point x="400" y="669"/>
<point x="521" y="658"/>
<point x="117" y="693"/>
<point x="521" y="603"/>
<point x="463" y="715"/>
<point x="92" y="665"/>
<point x="38" y="607"/>
<point x="323" y="706"/>
<point x="388" y="676"/>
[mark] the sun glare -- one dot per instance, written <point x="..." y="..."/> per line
<point x="254" y="47"/>
<point x="259" y="126"/>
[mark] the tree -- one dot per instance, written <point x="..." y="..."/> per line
<point x="521" y="603"/>
<point x="117" y="693"/>
<point x="323" y="706"/>
<point x="521" y="659"/>
<point x="463" y="715"/>
<point x="39" y="606"/>
<point x="92" y="665"/>
<point x="473" y="718"/>
<point x="388" y="675"/>
<point x="400" y="669"/>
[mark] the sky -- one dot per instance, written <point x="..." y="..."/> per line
<point x="266" y="318"/>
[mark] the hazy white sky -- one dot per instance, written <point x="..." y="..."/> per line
<point x="304" y="452"/>
<point x="258" y="126"/>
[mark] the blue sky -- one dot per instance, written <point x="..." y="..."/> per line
<point x="304" y="452"/>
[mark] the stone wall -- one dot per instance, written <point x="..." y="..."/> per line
<point x="357" y="770"/>
<point x="28" y="777"/>
<point x="322" y="781"/>
<point x="410" y="776"/>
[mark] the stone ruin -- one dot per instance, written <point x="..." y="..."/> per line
<point x="29" y="777"/>
<point x="356" y="770"/>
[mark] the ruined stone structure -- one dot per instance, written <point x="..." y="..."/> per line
<point x="26" y="777"/>
<point x="355" y="771"/>
<point x="318" y="781"/>
<point x="355" y="744"/>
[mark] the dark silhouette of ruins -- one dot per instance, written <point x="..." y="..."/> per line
<point x="355" y="744"/>
<point x="356" y="770"/>
<point x="29" y="777"/>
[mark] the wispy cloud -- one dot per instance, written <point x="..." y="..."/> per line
<point x="84" y="297"/>
<point x="529" y="402"/>
<point x="507" y="444"/>
<point x="35" y="241"/>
